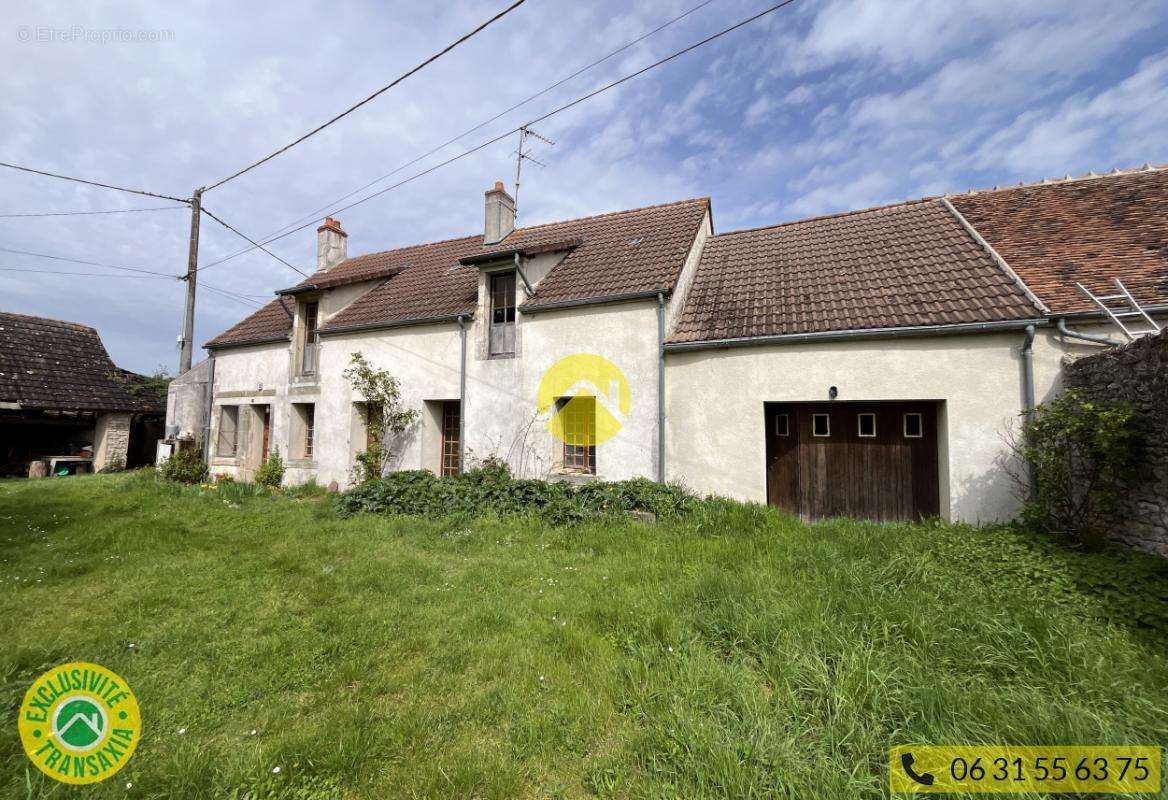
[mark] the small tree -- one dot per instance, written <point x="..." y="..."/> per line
<point x="385" y="415"/>
<point x="1085" y="454"/>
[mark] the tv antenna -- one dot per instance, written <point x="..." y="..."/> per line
<point x="525" y="155"/>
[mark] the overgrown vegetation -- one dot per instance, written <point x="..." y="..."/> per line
<point x="1085" y="455"/>
<point x="385" y="415"/>
<point x="490" y="489"/>
<point x="727" y="652"/>
<point x="271" y="472"/>
<point x="185" y="466"/>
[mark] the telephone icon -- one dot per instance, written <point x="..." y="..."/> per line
<point x="925" y="779"/>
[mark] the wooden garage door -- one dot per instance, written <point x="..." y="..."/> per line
<point x="868" y="460"/>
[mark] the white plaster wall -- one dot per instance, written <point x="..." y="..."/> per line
<point x="249" y="376"/>
<point x="714" y="406"/>
<point x="500" y="411"/>
<point x="424" y="359"/>
<point x="502" y="393"/>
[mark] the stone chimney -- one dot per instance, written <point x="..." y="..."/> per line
<point x="500" y="215"/>
<point x="330" y="245"/>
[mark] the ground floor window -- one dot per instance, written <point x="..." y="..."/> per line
<point x="304" y="430"/>
<point x="227" y="442"/>
<point x="577" y="428"/>
<point x="266" y="418"/>
<point x="451" y="425"/>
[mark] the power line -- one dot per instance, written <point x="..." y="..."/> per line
<point x="376" y="94"/>
<point x="93" y="183"/>
<point x="232" y="295"/>
<point x="86" y="274"/>
<point x="244" y="236"/>
<point x="87" y="263"/>
<point x="88" y="213"/>
<point x="505" y="135"/>
<point x="312" y="215"/>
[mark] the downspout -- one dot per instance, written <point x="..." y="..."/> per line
<point x="523" y="275"/>
<point x="1061" y="324"/>
<point x="210" y="407"/>
<point x="461" y="394"/>
<point x="1028" y="405"/>
<point x="661" y="387"/>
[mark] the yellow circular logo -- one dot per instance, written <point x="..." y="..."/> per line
<point x="79" y="723"/>
<point x="584" y="399"/>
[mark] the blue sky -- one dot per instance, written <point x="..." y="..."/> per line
<point x="827" y="105"/>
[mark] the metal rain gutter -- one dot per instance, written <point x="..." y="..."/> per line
<point x="661" y="387"/>
<point x="1028" y="404"/>
<point x="462" y="394"/>
<point x="522" y="274"/>
<point x="863" y="333"/>
<point x="400" y="323"/>
<point x="591" y="301"/>
<point x="1061" y="325"/>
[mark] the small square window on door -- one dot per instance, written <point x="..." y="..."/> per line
<point x="914" y="427"/>
<point x="820" y="425"/>
<point x="866" y="426"/>
<point x="782" y="424"/>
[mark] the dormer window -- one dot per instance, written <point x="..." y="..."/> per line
<point x="502" y="314"/>
<point x="309" y="314"/>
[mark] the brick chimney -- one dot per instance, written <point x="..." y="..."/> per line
<point x="330" y="245"/>
<point x="500" y="215"/>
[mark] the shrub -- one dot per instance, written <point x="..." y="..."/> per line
<point x="1085" y="455"/>
<point x="271" y="472"/>
<point x="114" y="465"/>
<point x="490" y="489"/>
<point x="185" y="466"/>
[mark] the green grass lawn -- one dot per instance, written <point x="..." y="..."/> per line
<point x="737" y="653"/>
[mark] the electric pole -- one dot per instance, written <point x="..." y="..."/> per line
<point x="188" y="332"/>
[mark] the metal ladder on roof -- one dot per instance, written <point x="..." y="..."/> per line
<point x="1122" y="306"/>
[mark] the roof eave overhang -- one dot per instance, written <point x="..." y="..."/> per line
<point x="861" y="333"/>
<point x="294" y="290"/>
<point x="649" y="294"/>
<point x="397" y="323"/>
<point x="247" y="342"/>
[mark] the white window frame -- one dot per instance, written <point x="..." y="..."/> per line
<point x="785" y="430"/>
<point x="827" y="420"/>
<point x="860" y="425"/>
<point x="920" y="425"/>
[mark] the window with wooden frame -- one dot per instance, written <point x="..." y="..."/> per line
<point x="266" y="419"/>
<point x="820" y="425"/>
<point x="304" y="430"/>
<point x="914" y="425"/>
<point x="782" y="424"/>
<point x="310" y="313"/>
<point x="451" y="421"/>
<point x="576" y="422"/>
<point x="502" y="314"/>
<point x="866" y="426"/>
<point x="227" y="443"/>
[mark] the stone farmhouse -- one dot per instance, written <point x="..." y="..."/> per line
<point x="868" y="363"/>
<point x="65" y="407"/>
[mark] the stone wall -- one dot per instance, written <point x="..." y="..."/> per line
<point x="1138" y="374"/>
<point x="111" y="440"/>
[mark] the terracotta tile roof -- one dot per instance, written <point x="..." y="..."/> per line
<point x="1090" y="230"/>
<point x="273" y="322"/>
<point x="903" y="265"/>
<point x="49" y="364"/>
<point x="621" y="253"/>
